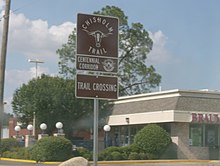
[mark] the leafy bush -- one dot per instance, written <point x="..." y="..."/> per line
<point x="143" y="156"/>
<point x="52" y="149"/>
<point x="133" y="156"/>
<point x="153" y="140"/>
<point x="83" y="152"/>
<point x="7" y="144"/>
<point x="109" y="153"/>
<point x="129" y="149"/>
<point x="118" y="156"/>
<point x="17" y="153"/>
<point x="152" y="156"/>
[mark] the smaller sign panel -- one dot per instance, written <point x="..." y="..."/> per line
<point x="99" y="87"/>
<point x="97" y="64"/>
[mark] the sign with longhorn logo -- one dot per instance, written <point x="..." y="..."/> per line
<point x="97" y="35"/>
<point x="97" y="51"/>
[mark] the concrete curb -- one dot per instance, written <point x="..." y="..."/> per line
<point x="18" y="160"/>
<point x="153" y="161"/>
<point x="27" y="161"/>
<point x="121" y="162"/>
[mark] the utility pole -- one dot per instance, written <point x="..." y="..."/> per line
<point x="3" y="60"/>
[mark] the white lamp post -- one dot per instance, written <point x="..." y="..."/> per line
<point x="43" y="127"/>
<point x="59" y="127"/>
<point x="106" y="128"/>
<point x="17" y="129"/>
<point x="30" y="128"/>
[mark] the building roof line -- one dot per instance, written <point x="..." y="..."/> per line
<point x="168" y="93"/>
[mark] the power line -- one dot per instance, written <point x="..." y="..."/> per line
<point x="17" y="9"/>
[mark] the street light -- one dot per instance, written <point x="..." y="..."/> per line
<point x="43" y="127"/>
<point x="30" y="128"/>
<point x="106" y="128"/>
<point x="36" y="61"/>
<point x="17" y="129"/>
<point x="59" y="127"/>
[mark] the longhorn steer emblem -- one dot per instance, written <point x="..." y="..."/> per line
<point x="98" y="35"/>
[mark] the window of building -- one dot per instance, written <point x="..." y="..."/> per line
<point x="211" y="135"/>
<point x="196" y="135"/>
<point x="204" y="135"/>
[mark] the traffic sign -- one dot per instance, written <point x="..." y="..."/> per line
<point x="96" y="63"/>
<point x="99" y="87"/>
<point x="97" y="52"/>
<point x="97" y="35"/>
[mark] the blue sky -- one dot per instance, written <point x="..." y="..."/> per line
<point x="185" y="34"/>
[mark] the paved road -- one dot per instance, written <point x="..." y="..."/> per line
<point x="213" y="163"/>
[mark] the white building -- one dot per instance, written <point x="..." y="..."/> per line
<point x="5" y="132"/>
<point x="192" y="118"/>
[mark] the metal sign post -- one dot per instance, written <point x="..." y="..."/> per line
<point x="95" y="132"/>
<point x="97" y="53"/>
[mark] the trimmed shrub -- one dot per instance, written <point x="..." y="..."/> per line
<point x="133" y="156"/>
<point x="8" y="144"/>
<point x="107" y="154"/>
<point x="151" y="156"/>
<point x="83" y="152"/>
<point x="17" y="153"/>
<point x="117" y="156"/>
<point x="129" y="149"/>
<point x="153" y="140"/>
<point x="143" y="156"/>
<point x="52" y="149"/>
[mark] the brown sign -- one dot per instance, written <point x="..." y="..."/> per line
<point x="100" y="87"/>
<point x="97" y="35"/>
<point x="96" y="63"/>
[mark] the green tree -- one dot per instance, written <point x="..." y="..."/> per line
<point x="134" y="44"/>
<point x="152" y="139"/>
<point x="52" y="99"/>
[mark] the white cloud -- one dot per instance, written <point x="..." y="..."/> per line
<point x="16" y="78"/>
<point x="159" y="53"/>
<point x="34" y="38"/>
<point x="31" y="39"/>
<point x="1" y="5"/>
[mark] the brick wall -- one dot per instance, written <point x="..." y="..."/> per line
<point x="11" y="126"/>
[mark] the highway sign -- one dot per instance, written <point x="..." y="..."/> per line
<point x="97" y="52"/>
<point x="99" y="87"/>
<point x="97" y="35"/>
<point x="96" y="63"/>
